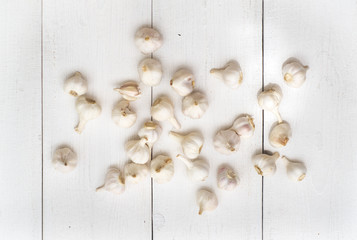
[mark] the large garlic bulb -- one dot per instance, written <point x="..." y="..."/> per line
<point x="135" y="173"/>
<point x="226" y="178"/>
<point x="150" y="71"/>
<point x="151" y="131"/>
<point x="162" y="110"/>
<point x="197" y="170"/>
<point x="226" y="141"/>
<point x="280" y="135"/>
<point x="296" y="171"/>
<point x="114" y="182"/>
<point x="194" y="105"/>
<point x="162" y="169"/>
<point x="294" y="72"/>
<point x="76" y="85"/>
<point x="138" y="150"/>
<point x="183" y="82"/>
<point x="148" y="40"/>
<point x="129" y="90"/>
<point x="191" y="143"/>
<point x="122" y="115"/>
<point x="269" y="100"/>
<point x="264" y="164"/>
<point x="231" y="74"/>
<point x="244" y="126"/>
<point x="87" y="109"/>
<point x="64" y="160"/>
<point x="206" y="201"/>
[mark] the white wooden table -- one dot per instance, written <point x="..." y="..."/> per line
<point x="43" y="42"/>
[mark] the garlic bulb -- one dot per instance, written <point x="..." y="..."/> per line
<point x="296" y="171"/>
<point x="227" y="179"/>
<point x="294" y="72"/>
<point x="226" y="141"/>
<point x="162" y="169"/>
<point x="75" y="85"/>
<point x="138" y="150"/>
<point x="206" y="200"/>
<point x="64" y="160"/>
<point x="269" y="99"/>
<point x="114" y="182"/>
<point x="280" y="135"/>
<point x="191" y="143"/>
<point x="231" y="74"/>
<point x="135" y="173"/>
<point x="88" y="110"/>
<point x="148" y="40"/>
<point x="150" y="71"/>
<point x="162" y="110"/>
<point x="151" y="131"/>
<point x="197" y="170"/>
<point x="122" y="115"/>
<point x="244" y="126"/>
<point x="194" y="105"/>
<point x="183" y="82"/>
<point x="264" y="164"/>
<point x="129" y="90"/>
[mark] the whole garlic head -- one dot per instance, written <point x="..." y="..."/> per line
<point x="294" y="72"/>
<point x="231" y="74"/>
<point x="150" y="71"/>
<point x="226" y="141"/>
<point x="162" y="110"/>
<point x="197" y="170"/>
<point x="269" y="100"/>
<point x="183" y="82"/>
<point x="148" y="40"/>
<point x="87" y="110"/>
<point x="162" y="169"/>
<point x="244" y="126"/>
<point x="64" y="160"/>
<point x="227" y="179"/>
<point x="264" y="164"/>
<point x="138" y="150"/>
<point x="76" y="85"/>
<point x="296" y="171"/>
<point x="191" y="143"/>
<point x="129" y="90"/>
<point x="135" y="173"/>
<point x="280" y="135"/>
<point x="194" y="105"/>
<point x="122" y="115"/>
<point x="151" y="131"/>
<point x="206" y="201"/>
<point x="114" y="182"/>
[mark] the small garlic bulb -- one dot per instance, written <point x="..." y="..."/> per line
<point x="183" y="82"/>
<point x="87" y="110"/>
<point x="294" y="72"/>
<point x="191" y="143"/>
<point x="114" y="182"/>
<point x="75" y="85"/>
<point x="231" y="74"/>
<point x="197" y="170"/>
<point x="227" y="179"/>
<point x="206" y="201"/>
<point x="129" y="90"/>
<point x="194" y="105"/>
<point x="269" y="100"/>
<point x="148" y="40"/>
<point x="244" y="126"/>
<point x="151" y="131"/>
<point x="264" y="164"/>
<point x="162" y="110"/>
<point x="138" y="150"/>
<point x="64" y="160"/>
<point x="226" y="141"/>
<point x="280" y="135"/>
<point x="296" y="171"/>
<point x="122" y="115"/>
<point x="150" y="71"/>
<point x="135" y="173"/>
<point x="162" y="169"/>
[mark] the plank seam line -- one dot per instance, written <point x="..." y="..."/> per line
<point x="263" y="127"/>
<point x="42" y="120"/>
<point x="152" y="149"/>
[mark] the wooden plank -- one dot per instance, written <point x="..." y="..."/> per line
<point x="322" y="115"/>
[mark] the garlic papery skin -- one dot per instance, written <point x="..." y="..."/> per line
<point x="183" y="82"/>
<point x="264" y="164"/>
<point x="129" y="90"/>
<point x="294" y="72"/>
<point x="296" y="171"/>
<point x="64" y="160"/>
<point x="269" y="100"/>
<point x="197" y="170"/>
<point x="151" y="131"/>
<point x="191" y="143"/>
<point x="122" y="115"/>
<point x="76" y="85"/>
<point x="138" y="150"/>
<point x="150" y="71"/>
<point x="114" y="182"/>
<point x="135" y="173"/>
<point x="226" y="141"/>
<point x="148" y="40"/>
<point x="162" y="110"/>
<point x="231" y="74"/>
<point x="280" y="134"/>
<point x="227" y="179"/>
<point x="162" y="169"/>
<point x="244" y="126"/>
<point x="194" y="105"/>
<point x="206" y="201"/>
<point x="87" y="109"/>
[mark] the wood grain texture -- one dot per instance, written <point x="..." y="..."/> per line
<point x="322" y="115"/>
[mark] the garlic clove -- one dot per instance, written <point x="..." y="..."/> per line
<point x="206" y="201"/>
<point x="87" y="109"/>
<point x="197" y="170"/>
<point x="227" y="178"/>
<point x="138" y="150"/>
<point x="244" y="126"/>
<point x="264" y="164"/>
<point x="280" y="134"/>
<point x="150" y="71"/>
<point x="148" y="40"/>
<point x="135" y="173"/>
<point x="294" y="72"/>
<point x="191" y="143"/>
<point x="114" y="182"/>
<point x="76" y="85"/>
<point x="226" y="141"/>
<point x="183" y="82"/>
<point x="129" y="90"/>
<point x="122" y="115"/>
<point x="194" y="105"/>
<point x="296" y="171"/>
<point x="270" y="99"/>
<point x="64" y="160"/>
<point x="151" y="131"/>
<point x="231" y="74"/>
<point x="162" y="169"/>
<point x="163" y="110"/>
